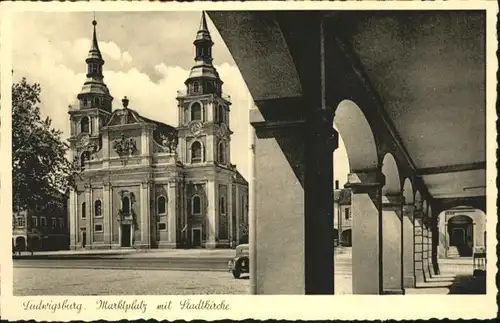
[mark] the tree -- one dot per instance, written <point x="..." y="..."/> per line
<point x="39" y="163"/>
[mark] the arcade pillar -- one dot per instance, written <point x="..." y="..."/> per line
<point x="366" y="260"/>
<point x="408" y="246"/>
<point x="392" y="281"/>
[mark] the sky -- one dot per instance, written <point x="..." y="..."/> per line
<point x="147" y="56"/>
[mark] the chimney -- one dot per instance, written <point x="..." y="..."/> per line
<point x="336" y="184"/>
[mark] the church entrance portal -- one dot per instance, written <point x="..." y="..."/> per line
<point x="196" y="234"/>
<point x="126" y="236"/>
<point x="460" y="230"/>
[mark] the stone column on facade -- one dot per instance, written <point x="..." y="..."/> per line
<point x="172" y="213"/>
<point x="419" y="245"/>
<point x="88" y="214"/>
<point x="408" y="246"/>
<point x="392" y="280"/>
<point x="239" y="210"/>
<point x="229" y="212"/>
<point x="106" y="212"/>
<point x="144" y="226"/>
<point x="211" y="215"/>
<point x="105" y="149"/>
<point x="73" y="219"/>
<point x="366" y="253"/>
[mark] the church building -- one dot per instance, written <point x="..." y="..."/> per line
<point x="147" y="184"/>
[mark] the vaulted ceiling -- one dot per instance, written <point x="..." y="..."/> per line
<point x="426" y="67"/>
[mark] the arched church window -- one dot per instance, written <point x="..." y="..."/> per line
<point x="196" y="111"/>
<point x="196" y="205"/>
<point x="85" y="125"/>
<point x="162" y="201"/>
<point x="196" y="87"/>
<point x="97" y="208"/>
<point x="196" y="152"/>
<point x="84" y="214"/>
<point x="84" y="158"/>
<point x="222" y="153"/>
<point x="126" y="205"/>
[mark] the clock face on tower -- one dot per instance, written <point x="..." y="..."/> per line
<point x="195" y="128"/>
<point x="84" y="141"/>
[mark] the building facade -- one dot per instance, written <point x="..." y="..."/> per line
<point x="146" y="184"/>
<point x="45" y="229"/>
<point x="342" y="216"/>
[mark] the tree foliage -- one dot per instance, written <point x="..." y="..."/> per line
<point x="39" y="164"/>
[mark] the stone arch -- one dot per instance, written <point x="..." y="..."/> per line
<point x="357" y="135"/>
<point x="477" y="219"/>
<point x="390" y="171"/>
<point x="408" y="192"/>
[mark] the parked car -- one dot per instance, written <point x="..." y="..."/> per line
<point x="240" y="264"/>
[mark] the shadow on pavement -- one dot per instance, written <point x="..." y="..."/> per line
<point x="468" y="284"/>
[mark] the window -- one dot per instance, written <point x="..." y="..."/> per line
<point x="84" y="158"/>
<point x="98" y="228"/>
<point x="84" y="214"/>
<point x="196" y="152"/>
<point x="43" y="222"/>
<point x="196" y="205"/>
<point x="35" y="222"/>
<point x="222" y="153"/>
<point x="195" y="111"/>
<point x="21" y="222"/>
<point x="196" y="87"/>
<point x="126" y="205"/>
<point x="347" y="213"/>
<point x="61" y="222"/>
<point x="162" y="201"/>
<point x="162" y="226"/>
<point x="97" y="208"/>
<point x="85" y="125"/>
<point x="222" y="205"/>
<point x="53" y="222"/>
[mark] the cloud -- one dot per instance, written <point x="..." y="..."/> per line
<point x="59" y="66"/>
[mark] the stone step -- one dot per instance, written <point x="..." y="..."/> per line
<point x="453" y="252"/>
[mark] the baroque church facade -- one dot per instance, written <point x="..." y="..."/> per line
<point x="146" y="184"/>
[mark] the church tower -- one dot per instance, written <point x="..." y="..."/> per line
<point x="92" y="109"/>
<point x="204" y="132"/>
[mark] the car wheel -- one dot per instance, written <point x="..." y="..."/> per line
<point x="237" y="272"/>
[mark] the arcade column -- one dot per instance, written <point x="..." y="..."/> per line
<point x="419" y="244"/>
<point x="392" y="280"/>
<point x="408" y="246"/>
<point x="366" y="226"/>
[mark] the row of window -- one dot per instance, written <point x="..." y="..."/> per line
<point x="40" y="222"/>
<point x="162" y="226"/>
<point x="161" y="206"/>
<point x="220" y="114"/>
<point x="197" y="152"/>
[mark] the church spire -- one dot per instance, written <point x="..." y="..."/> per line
<point x="203" y="78"/>
<point x="95" y="93"/>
